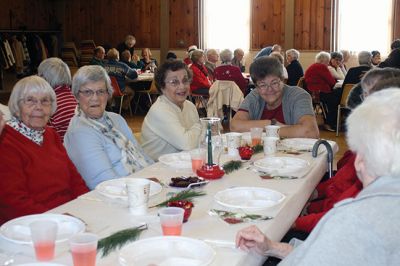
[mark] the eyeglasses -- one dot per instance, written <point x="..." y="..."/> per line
<point x="175" y="82"/>
<point x="273" y="85"/>
<point x="90" y="93"/>
<point x="30" y="101"/>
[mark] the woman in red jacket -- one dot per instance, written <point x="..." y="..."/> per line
<point x="319" y="79"/>
<point x="36" y="172"/>
<point x="200" y="82"/>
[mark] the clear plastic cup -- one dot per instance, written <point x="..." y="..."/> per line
<point x="198" y="157"/>
<point x="256" y="133"/>
<point x="171" y="219"/>
<point x="44" y="234"/>
<point x="84" y="248"/>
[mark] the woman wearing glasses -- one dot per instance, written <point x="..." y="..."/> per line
<point x="172" y="123"/>
<point x="36" y="173"/>
<point x="100" y="143"/>
<point x="274" y="103"/>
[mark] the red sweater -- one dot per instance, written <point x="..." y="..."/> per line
<point x="200" y="78"/>
<point x="308" y="222"/>
<point x="319" y="78"/>
<point x="66" y="104"/>
<point x="230" y="72"/>
<point x="35" y="178"/>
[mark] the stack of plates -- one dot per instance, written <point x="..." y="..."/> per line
<point x="179" y="160"/>
<point x="283" y="166"/>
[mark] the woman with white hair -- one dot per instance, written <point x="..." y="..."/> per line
<point x="227" y="71"/>
<point x="294" y="68"/>
<point x="36" y="172"/>
<point x="100" y="143"/>
<point x="319" y="80"/>
<point x="58" y="75"/>
<point x="359" y="231"/>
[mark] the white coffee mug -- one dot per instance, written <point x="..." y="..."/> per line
<point x="272" y="131"/>
<point x="138" y="191"/>
<point x="270" y="145"/>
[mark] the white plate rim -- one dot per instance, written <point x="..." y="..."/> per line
<point x="169" y="238"/>
<point x="257" y="163"/>
<point x="99" y="189"/>
<point x="184" y="164"/>
<point x="216" y="197"/>
<point x="44" y="216"/>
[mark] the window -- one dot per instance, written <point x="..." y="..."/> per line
<point x="365" y="25"/>
<point x="225" y="24"/>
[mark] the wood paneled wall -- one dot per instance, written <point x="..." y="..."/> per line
<point x="108" y="21"/>
<point x="19" y="14"/>
<point x="267" y="23"/>
<point x="183" y="23"/>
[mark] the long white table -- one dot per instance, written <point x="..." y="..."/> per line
<point x="104" y="216"/>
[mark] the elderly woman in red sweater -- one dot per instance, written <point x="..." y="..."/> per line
<point x="319" y="80"/>
<point x="201" y="83"/>
<point x="36" y="173"/>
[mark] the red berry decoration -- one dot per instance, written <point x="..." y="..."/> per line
<point x="184" y="204"/>
<point x="245" y="152"/>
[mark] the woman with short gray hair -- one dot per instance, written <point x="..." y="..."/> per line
<point x="34" y="166"/>
<point x="100" y="143"/>
<point x="57" y="74"/>
<point x="294" y="68"/>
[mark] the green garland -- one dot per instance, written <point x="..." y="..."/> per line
<point x="188" y="195"/>
<point x="231" y="166"/>
<point x="119" y="239"/>
<point x="258" y="148"/>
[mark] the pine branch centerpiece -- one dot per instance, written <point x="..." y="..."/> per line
<point x="119" y="239"/>
<point x="187" y="195"/>
<point x="231" y="166"/>
<point x="258" y="148"/>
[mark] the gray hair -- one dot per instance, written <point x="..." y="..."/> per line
<point x="113" y="54"/>
<point x="55" y="71"/>
<point x="226" y="56"/>
<point x="322" y="57"/>
<point x="373" y="131"/>
<point x="376" y="74"/>
<point x="364" y="58"/>
<point x="266" y="66"/>
<point x="87" y="74"/>
<point x="211" y="52"/>
<point x="30" y="86"/>
<point x="293" y="53"/>
<point x="278" y="56"/>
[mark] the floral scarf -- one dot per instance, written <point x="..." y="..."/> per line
<point x="133" y="157"/>
<point x="32" y="134"/>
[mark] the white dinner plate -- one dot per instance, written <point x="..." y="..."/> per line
<point x="179" y="160"/>
<point x="249" y="198"/>
<point x="283" y="166"/>
<point x="116" y="188"/>
<point x="167" y="251"/>
<point x="302" y="144"/>
<point x="17" y="230"/>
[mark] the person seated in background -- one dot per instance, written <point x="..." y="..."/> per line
<point x="359" y="231"/>
<point x="128" y="44"/>
<point x="227" y="71"/>
<point x="36" y="172"/>
<point x="100" y="143"/>
<point x="266" y="51"/>
<point x="172" y="123"/>
<point x="126" y="58"/>
<point x="376" y="58"/>
<point x="368" y="81"/>
<point x="148" y="62"/>
<point x="393" y="59"/>
<point x="98" y="56"/>
<point x="346" y="57"/>
<point x="335" y="64"/>
<point x="320" y="82"/>
<point x="294" y="68"/>
<point x="211" y="62"/>
<point x="275" y="103"/>
<point x="188" y="59"/>
<point x="282" y="61"/>
<point x="355" y="74"/>
<point x="57" y="74"/>
<point x="201" y="83"/>
<point x="171" y="55"/>
<point x="238" y="55"/>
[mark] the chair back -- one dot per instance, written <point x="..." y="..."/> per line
<point x="153" y="88"/>
<point x="301" y="83"/>
<point x="345" y="93"/>
<point x="117" y="90"/>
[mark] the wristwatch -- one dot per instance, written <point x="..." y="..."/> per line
<point x="273" y="121"/>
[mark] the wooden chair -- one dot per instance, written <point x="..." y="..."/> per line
<point x="149" y="92"/>
<point x="343" y="104"/>
<point x="119" y="94"/>
<point x="301" y="83"/>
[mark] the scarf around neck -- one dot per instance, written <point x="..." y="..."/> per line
<point x="34" y="135"/>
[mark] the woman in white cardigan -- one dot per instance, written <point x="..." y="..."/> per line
<point x="172" y="123"/>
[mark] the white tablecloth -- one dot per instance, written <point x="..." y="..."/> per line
<point x="104" y="216"/>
